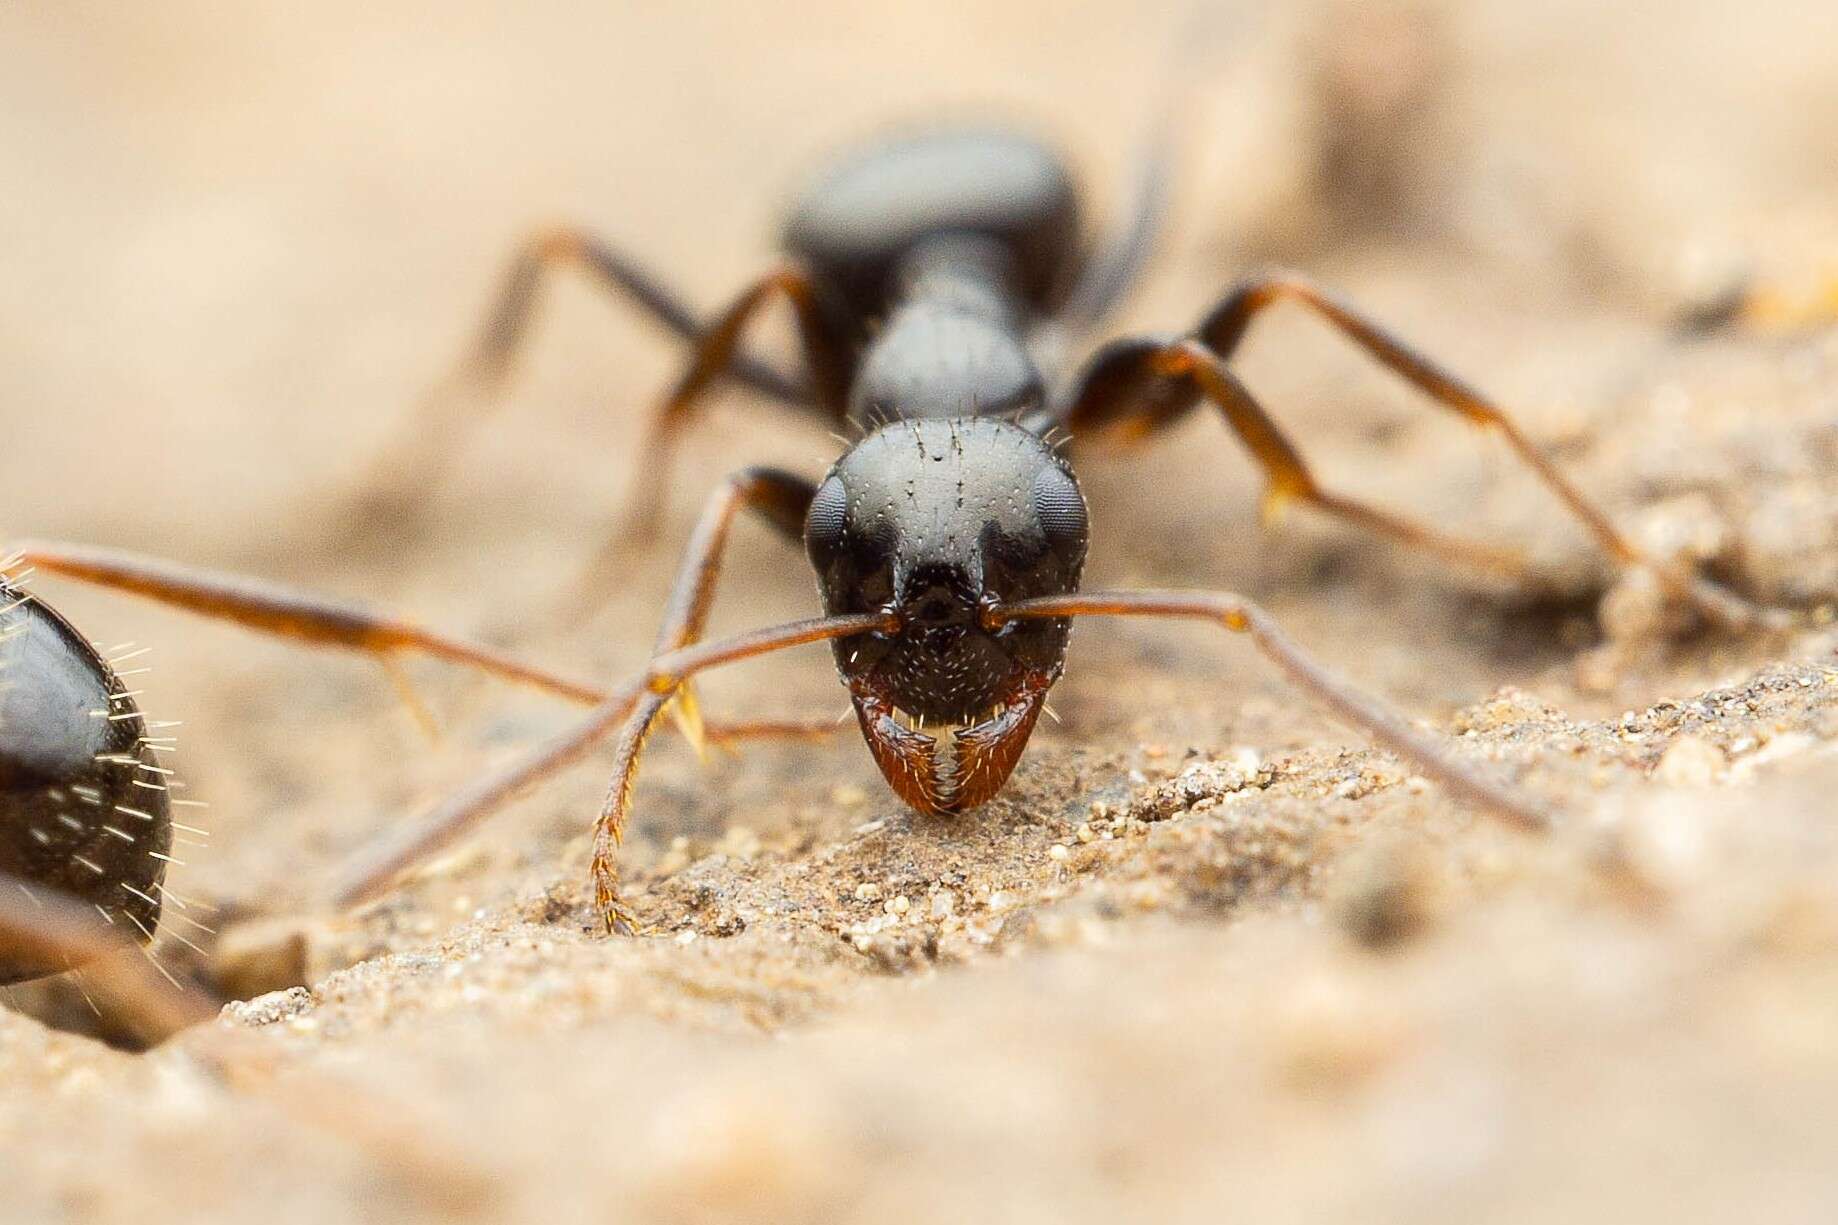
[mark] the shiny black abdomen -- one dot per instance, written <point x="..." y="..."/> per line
<point x="82" y="805"/>
<point x="860" y="218"/>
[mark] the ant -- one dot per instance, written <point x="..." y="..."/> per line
<point x="931" y="278"/>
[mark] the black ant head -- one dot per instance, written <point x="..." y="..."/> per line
<point x="937" y="522"/>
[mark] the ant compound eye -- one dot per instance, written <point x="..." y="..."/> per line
<point x="827" y="518"/>
<point x="1061" y="509"/>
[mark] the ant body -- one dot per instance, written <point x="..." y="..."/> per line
<point x="929" y="279"/>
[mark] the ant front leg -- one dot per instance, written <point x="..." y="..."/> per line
<point x="782" y="500"/>
<point x="1137" y="386"/>
<point x="630" y="705"/>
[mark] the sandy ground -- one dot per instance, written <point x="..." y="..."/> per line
<point x="1208" y="955"/>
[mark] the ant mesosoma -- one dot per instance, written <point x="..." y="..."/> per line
<point x="929" y="278"/>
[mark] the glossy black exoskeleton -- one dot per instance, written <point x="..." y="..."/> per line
<point x="84" y="807"/>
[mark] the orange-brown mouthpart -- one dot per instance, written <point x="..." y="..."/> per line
<point x="946" y="768"/>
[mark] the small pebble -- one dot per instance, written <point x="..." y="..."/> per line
<point x="1691" y="761"/>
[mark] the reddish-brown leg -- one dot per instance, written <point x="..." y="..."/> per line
<point x="372" y="870"/>
<point x="1137" y="386"/>
<point x="428" y="441"/>
<point x="269" y="608"/>
<point x="1228" y="322"/>
<point x="317" y="621"/>
<point x="1776" y="308"/>
<point x="779" y="498"/>
<point x="1358" y="709"/>
<point x="782" y="500"/>
<point x="825" y="355"/>
<point x="42" y="925"/>
<point x="1225" y="326"/>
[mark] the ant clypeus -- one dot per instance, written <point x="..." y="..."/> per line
<point x="927" y="277"/>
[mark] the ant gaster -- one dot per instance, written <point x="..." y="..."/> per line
<point x="85" y="810"/>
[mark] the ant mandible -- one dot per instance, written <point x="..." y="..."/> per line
<point x="926" y="277"/>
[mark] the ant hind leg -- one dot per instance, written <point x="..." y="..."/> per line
<point x="426" y="444"/>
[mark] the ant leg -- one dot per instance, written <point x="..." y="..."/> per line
<point x="1114" y="266"/>
<point x="1227" y="323"/>
<point x="1763" y="306"/>
<point x="779" y="497"/>
<point x="1225" y="327"/>
<point x="825" y="354"/>
<point x="1361" y="711"/>
<point x="268" y="608"/>
<point x="316" y="621"/>
<point x="373" y="869"/>
<point x="1136" y="386"/>
<point x="782" y="500"/>
<point x="1768" y="308"/>
<point x="426" y="444"/>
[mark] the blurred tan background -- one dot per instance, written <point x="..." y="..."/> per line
<point x="239" y="244"/>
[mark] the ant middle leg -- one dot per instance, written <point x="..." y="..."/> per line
<point x="826" y="357"/>
<point x="1137" y="386"/>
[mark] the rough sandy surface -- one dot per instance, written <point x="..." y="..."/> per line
<point x="1208" y="955"/>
